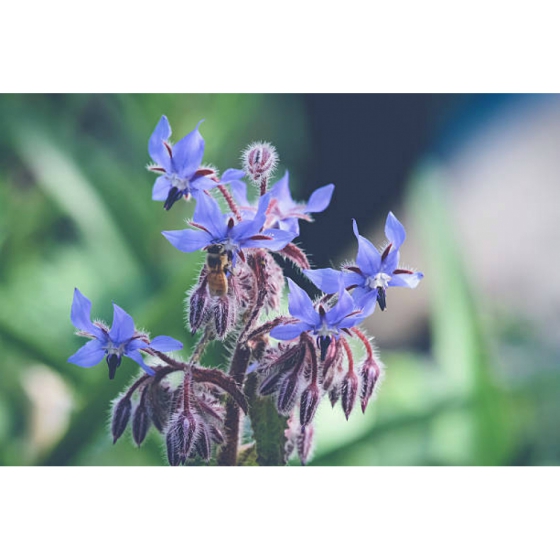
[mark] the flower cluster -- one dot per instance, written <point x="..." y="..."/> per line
<point x="284" y="365"/>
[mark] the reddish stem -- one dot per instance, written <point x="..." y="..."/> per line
<point x="365" y="340"/>
<point x="231" y="203"/>
<point x="264" y="185"/>
<point x="348" y="354"/>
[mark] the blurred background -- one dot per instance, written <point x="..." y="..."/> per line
<point x="472" y="354"/>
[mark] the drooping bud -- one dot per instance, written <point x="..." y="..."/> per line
<point x="174" y="443"/>
<point x="259" y="161"/>
<point x="287" y="394"/>
<point x="348" y="392"/>
<point x="308" y="404"/>
<point x="216" y="435"/>
<point x="222" y="316"/>
<point x="198" y="305"/>
<point x="190" y="426"/>
<point x="121" y="416"/>
<point x="334" y="395"/>
<point x="158" y="404"/>
<point x="140" y="422"/>
<point x="369" y="374"/>
<point x="203" y="445"/>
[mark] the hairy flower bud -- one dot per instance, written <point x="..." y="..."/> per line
<point x="203" y="444"/>
<point x="174" y="443"/>
<point x="121" y="416"/>
<point x="308" y="404"/>
<point x="305" y="443"/>
<point x="222" y="316"/>
<point x="159" y="399"/>
<point x="348" y="392"/>
<point x="287" y="394"/>
<point x="369" y="374"/>
<point x="140" y="422"/>
<point x="198" y="306"/>
<point x="334" y="395"/>
<point x="259" y="161"/>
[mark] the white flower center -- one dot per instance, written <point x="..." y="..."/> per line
<point x="178" y="182"/>
<point x="112" y="349"/>
<point x="380" y="280"/>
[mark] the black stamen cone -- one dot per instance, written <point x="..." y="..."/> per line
<point x="381" y="298"/>
<point x="113" y="361"/>
<point x="324" y="342"/>
<point x="174" y="195"/>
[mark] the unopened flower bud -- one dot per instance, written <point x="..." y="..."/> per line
<point x="259" y="161"/>
<point x="308" y="404"/>
<point x="334" y="395"/>
<point x="190" y="426"/>
<point x="203" y="444"/>
<point x="198" y="305"/>
<point x="287" y="394"/>
<point x="222" y="316"/>
<point x="174" y="443"/>
<point x="121" y="416"/>
<point x="305" y="444"/>
<point x="369" y="373"/>
<point x="140" y="422"/>
<point x="158" y="404"/>
<point x="348" y="392"/>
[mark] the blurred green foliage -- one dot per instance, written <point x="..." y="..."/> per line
<point x="75" y="210"/>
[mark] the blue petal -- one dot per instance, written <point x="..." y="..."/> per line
<point x="135" y="344"/>
<point x="188" y="240"/>
<point x="188" y="153"/>
<point x="165" y="344"/>
<point x="239" y="191"/>
<point x="281" y="190"/>
<point x="344" y="306"/>
<point x="326" y="279"/>
<point x="161" y="188"/>
<point x="368" y="258"/>
<point x="320" y="199"/>
<point x="137" y="357"/>
<point x="123" y="326"/>
<point x="231" y="175"/>
<point x="300" y="305"/>
<point x="394" y="231"/>
<point x="158" y="152"/>
<point x="406" y="280"/>
<point x="279" y="240"/>
<point x="289" y="224"/>
<point x="390" y="262"/>
<point x="202" y="183"/>
<point x="208" y="214"/>
<point x="88" y="355"/>
<point x="80" y="315"/>
<point x="351" y="278"/>
<point x="288" y="332"/>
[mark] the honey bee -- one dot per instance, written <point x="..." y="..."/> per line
<point x="218" y="263"/>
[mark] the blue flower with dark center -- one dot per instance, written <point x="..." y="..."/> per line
<point x="325" y="325"/>
<point x="215" y="228"/>
<point x="374" y="271"/>
<point x="284" y="213"/>
<point x="178" y="165"/>
<point x="121" y="340"/>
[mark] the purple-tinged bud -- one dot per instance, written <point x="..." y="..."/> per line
<point x="222" y="316"/>
<point x="270" y="384"/>
<point x="121" y="416"/>
<point x="348" y="392"/>
<point x="203" y="445"/>
<point x="259" y="161"/>
<point x="158" y="404"/>
<point x="190" y="428"/>
<point x="305" y="444"/>
<point x="198" y="305"/>
<point x="308" y="404"/>
<point x="287" y="394"/>
<point x="174" y="444"/>
<point x="369" y="373"/>
<point x="334" y="395"/>
<point x="140" y="422"/>
<point x="293" y="253"/>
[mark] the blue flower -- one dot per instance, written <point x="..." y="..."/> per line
<point x="178" y="165"/>
<point x="284" y="213"/>
<point x="215" y="228"/>
<point x="324" y="325"/>
<point x="121" y="340"/>
<point x="374" y="271"/>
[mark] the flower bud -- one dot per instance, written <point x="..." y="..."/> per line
<point x="174" y="443"/>
<point x="198" y="305"/>
<point x="121" y="416"/>
<point x="369" y="373"/>
<point x="334" y="395"/>
<point x="259" y="161"/>
<point x="348" y="392"/>
<point x="203" y="445"/>
<point x="140" y="422"/>
<point x="305" y="444"/>
<point x="158" y="404"/>
<point x="222" y="316"/>
<point x="308" y="404"/>
<point x="287" y="394"/>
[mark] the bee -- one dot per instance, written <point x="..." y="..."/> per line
<point x="218" y="264"/>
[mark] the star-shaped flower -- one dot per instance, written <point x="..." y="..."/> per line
<point x="121" y="340"/>
<point x="374" y="271"/>
<point x="178" y="165"/>
<point x="213" y="227"/>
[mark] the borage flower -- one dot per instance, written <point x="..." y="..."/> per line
<point x="284" y="213"/>
<point x="215" y="228"/>
<point x="179" y="165"/>
<point x="373" y="272"/>
<point x="122" y="340"/>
